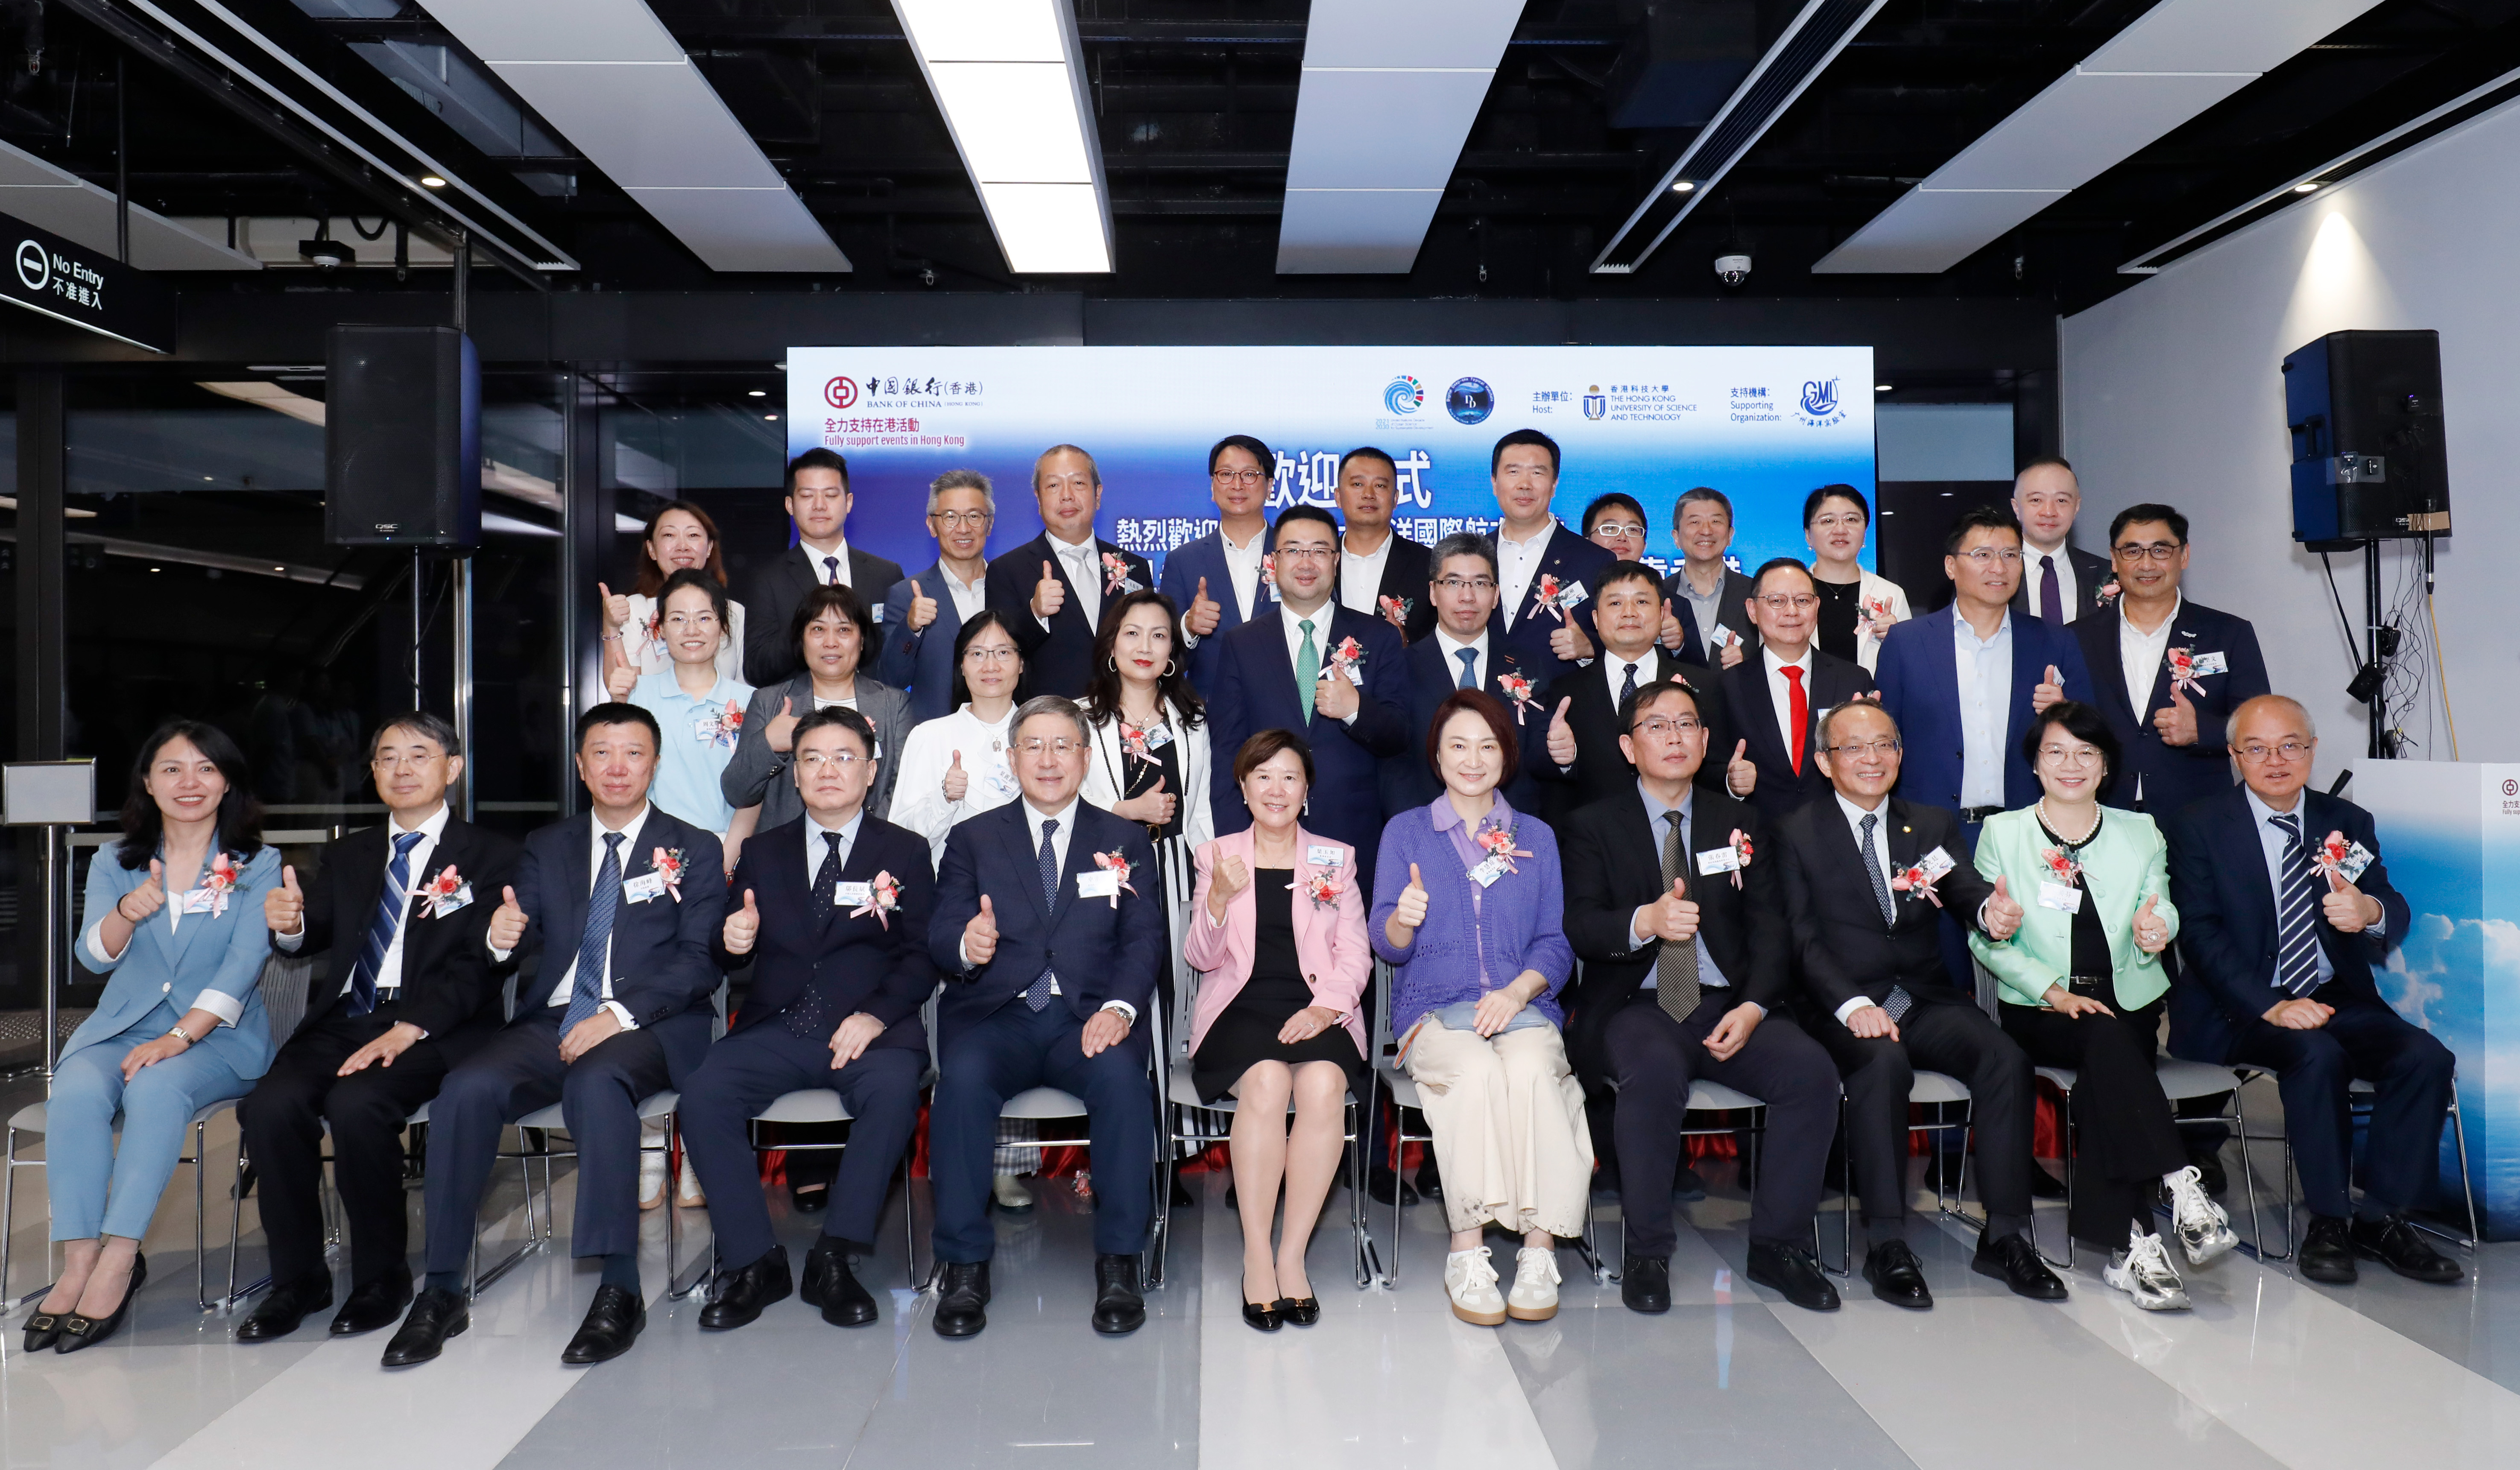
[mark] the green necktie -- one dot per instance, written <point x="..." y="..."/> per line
<point x="1308" y="668"/>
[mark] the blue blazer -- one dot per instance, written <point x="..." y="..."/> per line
<point x="1100" y="950"/>
<point x="1919" y="677"/>
<point x="2226" y="918"/>
<point x="1205" y="558"/>
<point x="222" y="952"/>
<point x="1569" y="558"/>
<point x="877" y="965"/>
<point x="2172" y="776"/>
<point x="1409" y="781"/>
<point x="663" y="960"/>
<point x="1255" y="690"/>
<point x="922" y="663"/>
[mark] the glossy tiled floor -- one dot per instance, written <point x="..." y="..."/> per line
<point x="2266" y="1371"/>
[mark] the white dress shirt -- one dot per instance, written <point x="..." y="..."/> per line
<point x="1452" y="649"/>
<point x="968" y="596"/>
<point x="1855" y="816"/>
<point x="1083" y="564"/>
<point x="559" y="995"/>
<point x="1034" y="817"/>
<point x="1518" y="562"/>
<point x="2272" y="842"/>
<point x="389" y="977"/>
<point x="1985" y="668"/>
<point x="1781" y="693"/>
<point x="2139" y="656"/>
<point x="1710" y="975"/>
<point x="830" y="562"/>
<point x="815" y="847"/>
<point x="2033" y="568"/>
<point x="1360" y="587"/>
<point x="1242" y="568"/>
<point x="1614" y="673"/>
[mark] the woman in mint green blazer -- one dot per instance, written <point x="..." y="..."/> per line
<point x="2081" y="986"/>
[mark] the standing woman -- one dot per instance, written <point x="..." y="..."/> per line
<point x="1857" y="607"/>
<point x="836" y="638"/>
<point x="2082" y="987"/>
<point x="680" y="537"/>
<point x="1151" y="745"/>
<point x="175" y="924"/>
<point x="698" y="704"/>
<point x="1473" y="933"/>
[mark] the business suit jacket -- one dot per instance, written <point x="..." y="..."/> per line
<point x="755" y="772"/>
<point x="1839" y="941"/>
<point x="1613" y="865"/>
<point x="1408" y="781"/>
<point x="2122" y="867"/>
<point x="1100" y="950"/>
<point x="1920" y="688"/>
<point x="871" y="964"/>
<point x="2218" y="874"/>
<point x="2172" y="775"/>
<point x="1057" y="659"/>
<point x="1409" y="575"/>
<point x="1204" y="557"/>
<point x="1600" y="768"/>
<point x="449" y="986"/>
<point x="1750" y="714"/>
<point x="1330" y="941"/>
<point x="770" y="602"/>
<point x="921" y="661"/>
<point x="1738" y="592"/>
<point x="222" y="952"/>
<point x="1569" y="557"/>
<point x="2091" y="574"/>
<point x="1255" y="690"/>
<point x="663" y="955"/>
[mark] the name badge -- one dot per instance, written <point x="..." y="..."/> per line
<point x="2211" y="664"/>
<point x="1717" y="860"/>
<point x="706" y="725"/>
<point x="644" y="887"/>
<point x="203" y="901"/>
<point x="1488" y="871"/>
<point x="1935" y="864"/>
<point x="2064" y="897"/>
<point x="2357" y="858"/>
<point x="1001" y="779"/>
<point x="1159" y="737"/>
<point x="1323" y="855"/>
<point x="1723" y="636"/>
<point x="878" y="610"/>
<point x="1101" y="883"/>
<point x="851" y="895"/>
<point x="1572" y="596"/>
<point x="449" y="903"/>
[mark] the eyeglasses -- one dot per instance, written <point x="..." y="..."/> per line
<point x="1662" y="729"/>
<point x="2290" y="750"/>
<point x="1058" y="748"/>
<point x="1831" y="521"/>
<point x="1001" y="654"/>
<point x="1306" y="553"/>
<point x="2154" y="550"/>
<point x="1239" y="476"/>
<point x="1788" y="602"/>
<point x="1464" y="584"/>
<point x="1992" y="556"/>
<point x="839" y="761"/>
<point x="675" y="621"/>
<point x="2060" y="755"/>
<point x="418" y="762"/>
<point x="1858" y="750"/>
<point x="1625" y="531"/>
<point x="957" y="520"/>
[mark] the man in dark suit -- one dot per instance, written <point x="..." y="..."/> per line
<point x="1049" y="929"/>
<point x="1867" y="880"/>
<point x="818" y="504"/>
<point x="924" y="614"/>
<point x="1546" y="632"/>
<point x="1221" y="581"/>
<point x="2059" y="585"/>
<point x="1707" y="595"/>
<point x="1579" y="756"/>
<point x="1685" y="958"/>
<point x="1292" y="669"/>
<point x="2285" y="911"/>
<point x="1052" y="588"/>
<point x="1381" y="573"/>
<point x="833" y="919"/>
<point x="1767" y="730"/>
<point x="1461" y="652"/>
<point x="408" y="993"/>
<point x="621" y="907"/>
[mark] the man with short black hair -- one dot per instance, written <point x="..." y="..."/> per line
<point x="1381" y="573"/>
<point x="1578" y="753"/>
<point x="2059" y="585"/>
<point x="1707" y="595"/>
<point x="924" y="614"/>
<point x="1051" y="589"/>
<point x="1772" y="698"/>
<point x="1217" y="582"/>
<point x="1462" y="653"/>
<point x="1542" y="567"/>
<point x="818" y="505"/>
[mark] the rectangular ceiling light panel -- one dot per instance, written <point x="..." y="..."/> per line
<point x="1010" y="78"/>
<point x="52" y="198"/>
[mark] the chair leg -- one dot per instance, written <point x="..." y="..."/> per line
<point x="705" y="1268"/>
<point x="201" y="1246"/>
<point x="2466" y="1182"/>
<point x="8" y="1214"/>
<point x="2248" y="1179"/>
<point x="1167" y="1132"/>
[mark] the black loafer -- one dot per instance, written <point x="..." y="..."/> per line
<point x="2044" y="1185"/>
<point x="962" y="1298"/>
<point x="740" y="1294"/>
<point x="1380" y="1184"/>
<point x="835" y="1289"/>
<point x="1896" y="1276"/>
<point x="1118" y="1307"/>
<point x="2326" y="1252"/>
<point x="379" y="1304"/>
<point x="44" y="1328"/>
<point x="1791" y="1270"/>
<point x="1644" y="1283"/>
<point x="2015" y="1263"/>
<point x="613" y="1321"/>
<point x="279" y="1313"/>
<point x="1302" y="1311"/>
<point x="2397" y="1245"/>
<point x="78" y="1333"/>
<point x="435" y="1315"/>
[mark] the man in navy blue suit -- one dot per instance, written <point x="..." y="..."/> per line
<point x="1767" y="730"/>
<point x="1333" y="675"/>
<point x="1217" y="580"/>
<point x="1049" y="929"/>
<point x="2284" y="909"/>
<point x="924" y="614"/>
<point x="1706" y="595"/>
<point x="1053" y="587"/>
<point x="1462" y="654"/>
<point x="1381" y="573"/>
<point x="623" y="908"/>
<point x="833" y="919"/>
<point x="1546" y="635"/>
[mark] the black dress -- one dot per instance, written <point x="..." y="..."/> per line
<point x="1839" y="601"/>
<point x="1246" y="1031"/>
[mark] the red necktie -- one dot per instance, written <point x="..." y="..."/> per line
<point x="1799" y="707"/>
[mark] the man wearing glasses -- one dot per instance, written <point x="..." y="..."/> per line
<point x="2282" y="933"/>
<point x="1766" y="733"/>
<point x="925" y="613"/>
<point x="1381" y="573"/>
<point x="1216" y="580"/>
<point x="1462" y="652"/>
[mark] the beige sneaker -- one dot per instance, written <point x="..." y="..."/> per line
<point x="1010" y="1194"/>
<point x="1471" y="1282"/>
<point x="1534" y="1298"/>
<point x="651" y="1180"/>
<point x="689" y="1193"/>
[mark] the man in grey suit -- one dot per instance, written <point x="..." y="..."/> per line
<point x="924" y="614"/>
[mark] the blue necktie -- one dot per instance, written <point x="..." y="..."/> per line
<point x="2297" y="913"/>
<point x="1038" y="995"/>
<point x="586" y="994"/>
<point x="1469" y="659"/>
<point x="1898" y="1000"/>
<point x="380" y="928"/>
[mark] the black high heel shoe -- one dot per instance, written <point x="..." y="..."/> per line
<point x="1303" y="1311"/>
<point x="86" y="1332"/>
<point x="1262" y="1314"/>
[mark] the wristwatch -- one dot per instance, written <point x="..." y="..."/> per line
<point x="178" y="1029"/>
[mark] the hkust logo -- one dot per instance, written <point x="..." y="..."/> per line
<point x="1596" y="404"/>
<point x="1819" y="404"/>
<point x="1403" y="395"/>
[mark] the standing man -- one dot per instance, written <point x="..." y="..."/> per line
<point x="1616" y="524"/>
<point x="1052" y="588"/>
<point x="622" y="906"/>
<point x="1706" y="593"/>
<point x="1773" y="699"/>
<point x="1381" y="573"/>
<point x="1462" y="654"/>
<point x="408" y="993"/>
<point x="2280" y="942"/>
<point x="1581" y="755"/>
<point x="1216" y="580"/>
<point x="818" y="504"/>
<point x="2059" y="585"/>
<point x="925" y="613"/>
<point x="1546" y="635"/>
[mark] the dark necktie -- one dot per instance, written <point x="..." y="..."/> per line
<point x="831" y="572"/>
<point x="808" y="1017"/>
<point x="2052" y="600"/>
<point x="380" y="928"/>
<point x="1898" y="1002"/>
<point x="2297" y="927"/>
<point x="1676" y="968"/>
<point x="1469" y="659"/>
<point x="1038" y="995"/>
<point x="1627" y="685"/>
<point x="826" y="878"/>
<point x="586" y="991"/>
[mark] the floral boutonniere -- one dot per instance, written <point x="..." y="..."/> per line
<point x="442" y="894"/>
<point x="1517" y="689"/>
<point x="654" y="630"/>
<point x="1322" y="888"/>
<point x="1115" y="572"/>
<point x="730" y="725"/>
<point x="2182" y="670"/>
<point x="2105" y="595"/>
<point x="884" y="896"/>
<point x="1349" y="659"/>
<point x="1916" y="879"/>
<point x="1120" y="866"/>
<point x="2061" y="869"/>
<point x="1498" y="843"/>
<point x="1741" y="845"/>
<point x="1874" y="616"/>
<point x="668" y="864"/>
<point x="219" y="881"/>
<point x="1396" y="610"/>
<point x="1268" y="575"/>
<point x="1133" y="741"/>
<point x="2340" y="857"/>
<point x="1555" y="596"/>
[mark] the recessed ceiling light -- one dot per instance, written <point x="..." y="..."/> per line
<point x="1684" y="186"/>
<point x="2308" y="186"/>
<point x="758" y="393"/>
<point x="431" y="181"/>
<point x="1882" y="388"/>
<point x="280" y="569"/>
<point x="156" y="568"/>
<point x="770" y="418"/>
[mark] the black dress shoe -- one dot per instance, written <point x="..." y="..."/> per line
<point x="2208" y="1164"/>
<point x="830" y="1285"/>
<point x="435" y="1315"/>
<point x="1118" y="1307"/>
<point x="379" y="1304"/>
<point x="1264" y="1315"/>
<point x="1644" y="1283"/>
<point x="809" y="1199"/>
<point x="2015" y="1263"/>
<point x="2044" y="1185"/>
<point x="1896" y="1276"/>
<point x="1303" y="1311"/>
<point x="1688" y="1187"/>
<point x="79" y="1332"/>
<point x="740" y="1294"/>
<point x="613" y="1321"/>
<point x="1381" y="1183"/>
<point x="2326" y="1253"/>
<point x="2397" y="1245"/>
<point x="44" y="1328"/>
<point x="962" y="1295"/>
<point x="279" y="1313"/>
<point x="1791" y="1270"/>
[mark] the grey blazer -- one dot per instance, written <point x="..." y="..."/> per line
<point x="758" y="774"/>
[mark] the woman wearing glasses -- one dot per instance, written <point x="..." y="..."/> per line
<point x="680" y="537"/>
<point x="2081" y="986"/>
<point x="1855" y="607"/>
<point x="836" y="636"/>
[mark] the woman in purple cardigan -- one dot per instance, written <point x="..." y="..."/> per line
<point x="1473" y="934"/>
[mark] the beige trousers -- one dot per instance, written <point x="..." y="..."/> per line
<point x="1508" y="1116"/>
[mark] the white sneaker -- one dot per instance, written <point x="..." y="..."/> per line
<point x="689" y="1193"/>
<point x="2204" y="1229"/>
<point x="1534" y="1298"/>
<point x="1471" y="1282"/>
<point x="1010" y="1194"/>
<point x="2142" y="1272"/>
<point x="651" y="1180"/>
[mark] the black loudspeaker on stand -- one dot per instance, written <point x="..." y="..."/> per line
<point x="403" y="438"/>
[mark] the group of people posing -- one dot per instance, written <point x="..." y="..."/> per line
<point x="1791" y="831"/>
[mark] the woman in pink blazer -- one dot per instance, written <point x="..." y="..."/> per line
<point x="1277" y="933"/>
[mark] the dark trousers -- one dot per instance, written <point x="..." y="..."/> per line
<point x="1013" y="1048"/>
<point x="2125" y="1136"/>
<point x="282" y="1120"/>
<point x="1653" y="1058"/>
<point x="1952" y="1036"/>
<point x="741" y="1076"/>
<point x="2401" y="1154"/>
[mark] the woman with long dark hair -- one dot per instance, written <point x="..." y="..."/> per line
<point x="1150" y="742"/>
<point x="680" y="537"/>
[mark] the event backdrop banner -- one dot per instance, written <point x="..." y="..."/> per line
<point x="1764" y="425"/>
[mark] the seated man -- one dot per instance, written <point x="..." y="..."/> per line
<point x="2279" y="974"/>
<point x="408" y="993"/>
<point x="621" y="906"/>
<point x="1684" y="956"/>
<point x="833" y="914"/>
<point x="1050" y="927"/>
<point x="1886" y="1005"/>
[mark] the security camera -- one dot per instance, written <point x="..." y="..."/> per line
<point x="326" y="254"/>
<point x="1733" y="270"/>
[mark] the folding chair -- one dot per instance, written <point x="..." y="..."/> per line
<point x="2359" y="1101"/>
<point x="1704" y="1098"/>
<point x="32" y="1120"/>
<point x="2180" y="1082"/>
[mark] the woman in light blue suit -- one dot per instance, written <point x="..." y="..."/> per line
<point x="175" y="924"/>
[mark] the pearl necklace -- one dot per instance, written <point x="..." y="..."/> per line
<point x="2059" y="830"/>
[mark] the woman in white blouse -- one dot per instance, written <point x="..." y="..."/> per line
<point x="1857" y="607"/>
<point x="680" y="536"/>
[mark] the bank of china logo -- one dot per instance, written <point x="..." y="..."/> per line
<point x="1403" y="395"/>
<point x="1470" y="400"/>
<point x="1596" y="404"/>
<point x="840" y="392"/>
<point x="1819" y="399"/>
<point x="34" y="265"/>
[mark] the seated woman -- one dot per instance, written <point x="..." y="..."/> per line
<point x="1474" y="932"/>
<point x="175" y="925"/>
<point x="2082" y="987"/>
<point x="1278" y="937"/>
<point x="836" y="638"/>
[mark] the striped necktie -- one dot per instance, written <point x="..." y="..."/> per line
<point x="1037" y="995"/>
<point x="380" y="928"/>
<point x="2296" y="912"/>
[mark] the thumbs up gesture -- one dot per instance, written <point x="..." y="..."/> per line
<point x="2177" y="724"/>
<point x="2151" y="934"/>
<point x="980" y="935"/>
<point x="1740" y="774"/>
<point x="620" y="680"/>
<point x="922" y="607"/>
<point x="957" y="780"/>
<point x="743" y="926"/>
<point x="2002" y="912"/>
<point x="1673" y="636"/>
<point x="284" y="908"/>
<point x="506" y="923"/>
<point x="2050" y="690"/>
<point x="781" y="731"/>
<point x="140" y="903"/>
<point x="1205" y="612"/>
<point x="1672" y="917"/>
<point x="1049" y="595"/>
<point x="2348" y="907"/>
<point x="1152" y="807"/>
<point x="1561" y="736"/>
<point x="617" y="607"/>
<point x="1412" y="910"/>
